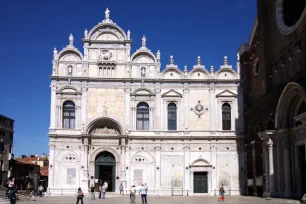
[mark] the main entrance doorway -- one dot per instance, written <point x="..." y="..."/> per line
<point x="200" y="182"/>
<point x="105" y="170"/>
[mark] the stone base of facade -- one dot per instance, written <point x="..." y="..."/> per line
<point x="303" y="200"/>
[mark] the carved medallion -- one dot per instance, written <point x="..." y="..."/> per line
<point x="199" y="108"/>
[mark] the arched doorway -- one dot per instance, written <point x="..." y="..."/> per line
<point x="105" y="170"/>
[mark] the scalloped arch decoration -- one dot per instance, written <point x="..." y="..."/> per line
<point x="226" y="75"/>
<point x="108" y="36"/>
<point x="172" y="74"/>
<point x="199" y="74"/>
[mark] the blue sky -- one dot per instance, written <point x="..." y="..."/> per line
<point x="31" y="29"/>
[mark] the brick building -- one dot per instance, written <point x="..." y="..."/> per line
<point x="273" y="69"/>
<point x="6" y="147"/>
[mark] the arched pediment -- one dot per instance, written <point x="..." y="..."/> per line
<point x="104" y="126"/>
<point x="108" y="36"/>
<point x="142" y="92"/>
<point x="226" y="74"/>
<point x="68" y="89"/>
<point x="143" y="56"/>
<point x="200" y="162"/>
<point x="172" y="73"/>
<point x="199" y="73"/>
<point x="110" y="29"/>
<point x="70" y="54"/>
<point x="142" y="157"/>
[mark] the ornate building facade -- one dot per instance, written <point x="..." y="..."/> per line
<point x="116" y="117"/>
<point x="273" y="67"/>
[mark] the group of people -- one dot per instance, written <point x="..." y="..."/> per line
<point x="102" y="191"/>
<point x="143" y="190"/>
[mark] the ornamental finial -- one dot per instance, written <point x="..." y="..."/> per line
<point x="225" y="60"/>
<point x="238" y="57"/>
<point x="158" y="55"/>
<point x="171" y="59"/>
<point x="54" y="53"/>
<point x="71" y="39"/>
<point x="85" y="33"/>
<point x="128" y="34"/>
<point x="211" y="68"/>
<point x="199" y="60"/>
<point x="107" y="14"/>
<point x="144" y="40"/>
<point x="185" y="69"/>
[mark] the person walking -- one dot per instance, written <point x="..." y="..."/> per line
<point x="100" y="191"/>
<point x="103" y="191"/>
<point x="40" y="190"/>
<point x="132" y="194"/>
<point x="143" y="192"/>
<point x="11" y="194"/>
<point x="121" y="189"/>
<point x="106" y="185"/>
<point x="92" y="192"/>
<point x="221" y="193"/>
<point x="31" y="193"/>
<point x="80" y="196"/>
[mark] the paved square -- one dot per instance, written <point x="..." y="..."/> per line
<point x="161" y="200"/>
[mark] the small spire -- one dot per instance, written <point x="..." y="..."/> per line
<point x="225" y="60"/>
<point x="107" y="14"/>
<point x="238" y="57"/>
<point x="128" y="34"/>
<point x="185" y="69"/>
<point x="85" y="33"/>
<point x="54" y="53"/>
<point x="211" y="68"/>
<point x="199" y="60"/>
<point x="71" y="39"/>
<point x="144" y="40"/>
<point x="171" y="59"/>
<point x="158" y="55"/>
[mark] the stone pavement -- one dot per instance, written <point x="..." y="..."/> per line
<point x="160" y="200"/>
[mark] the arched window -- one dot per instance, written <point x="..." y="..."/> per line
<point x="226" y="116"/>
<point x="142" y="116"/>
<point x="172" y="116"/>
<point x="69" y="115"/>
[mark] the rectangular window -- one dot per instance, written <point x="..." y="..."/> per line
<point x="1" y="165"/>
<point x="1" y="146"/>
<point x="138" y="176"/>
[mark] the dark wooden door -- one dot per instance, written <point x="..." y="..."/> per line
<point x="200" y="183"/>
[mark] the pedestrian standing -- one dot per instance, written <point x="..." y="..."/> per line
<point x="221" y="193"/>
<point x="143" y="192"/>
<point x="100" y="191"/>
<point x="106" y="185"/>
<point x="40" y="190"/>
<point x="80" y="196"/>
<point x="103" y="191"/>
<point x="32" y="193"/>
<point x="132" y="194"/>
<point x="92" y="192"/>
<point x="121" y="189"/>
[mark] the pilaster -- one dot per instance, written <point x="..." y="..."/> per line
<point x="186" y="105"/>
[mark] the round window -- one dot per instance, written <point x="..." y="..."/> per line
<point x="289" y="14"/>
<point x="256" y="66"/>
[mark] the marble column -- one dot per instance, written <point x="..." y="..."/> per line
<point x="266" y="162"/>
<point x="271" y="166"/>
<point x="186" y="107"/>
<point x="53" y="106"/>
<point x="85" y="165"/>
<point x="122" y="161"/>
<point x="287" y="167"/>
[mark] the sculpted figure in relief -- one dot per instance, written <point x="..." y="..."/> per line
<point x="144" y="41"/>
<point x="143" y="72"/>
<point x="104" y="131"/>
<point x="70" y="70"/>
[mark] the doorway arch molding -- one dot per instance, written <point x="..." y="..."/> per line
<point x="104" y="149"/>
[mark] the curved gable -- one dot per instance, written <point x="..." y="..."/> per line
<point x="172" y="73"/>
<point x="226" y="74"/>
<point x="199" y="74"/>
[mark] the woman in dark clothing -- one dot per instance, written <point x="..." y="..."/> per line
<point x="80" y="196"/>
<point x="12" y="194"/>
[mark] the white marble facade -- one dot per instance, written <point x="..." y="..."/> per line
<point x="101" y="91"/>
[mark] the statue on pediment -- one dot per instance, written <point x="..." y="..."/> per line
<point x="105" y="131"/>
